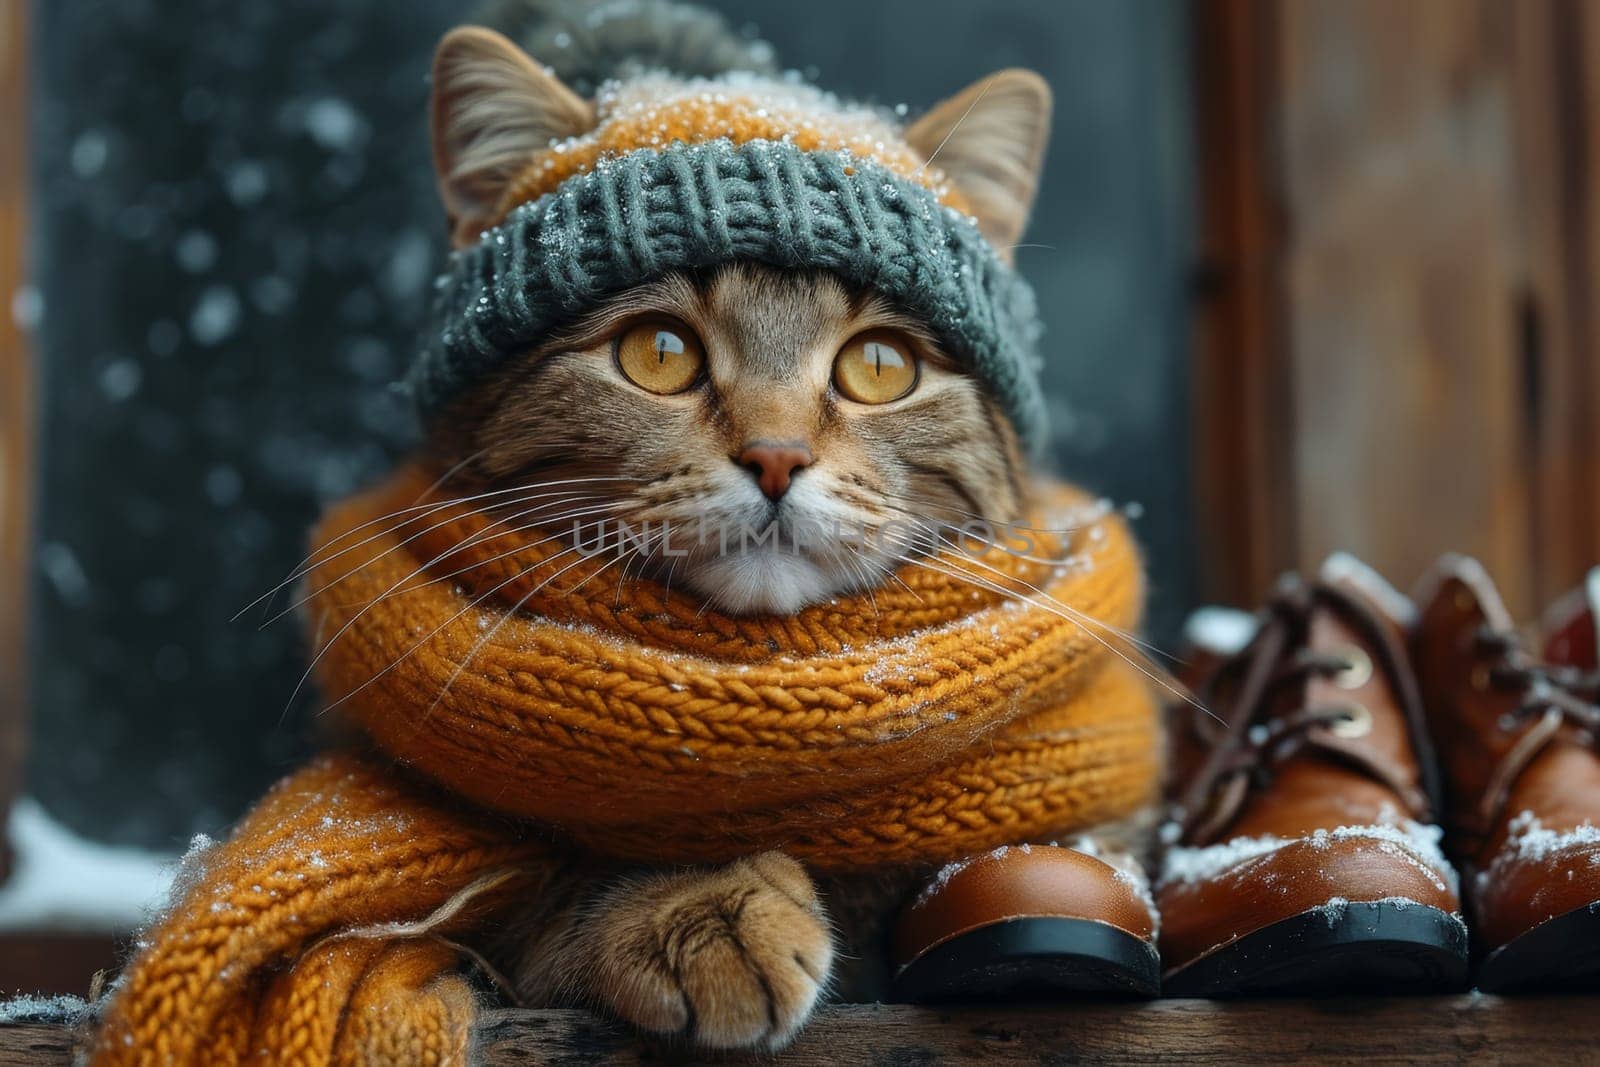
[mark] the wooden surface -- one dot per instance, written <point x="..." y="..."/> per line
<point x="16" y="401"/>
<point x="1403" y="246"/>
<point x="1540" y="1030"/>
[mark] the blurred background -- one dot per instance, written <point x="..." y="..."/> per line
<point x="1317" y="274"/>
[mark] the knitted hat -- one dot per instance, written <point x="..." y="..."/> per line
<point x="689" y="173"/>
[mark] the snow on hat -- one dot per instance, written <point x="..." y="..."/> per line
<point x="687" y="173"/>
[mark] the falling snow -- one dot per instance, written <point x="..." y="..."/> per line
<point x="215" y="315"/>
<point x="196" y="251"/>
<point x="252" y="227"/>
<point x="89" y="153"/>
<point x="334" y="124"/>
<point x="120" y="379"/>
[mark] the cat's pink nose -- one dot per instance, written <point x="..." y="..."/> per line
<point x="773" y="463"/>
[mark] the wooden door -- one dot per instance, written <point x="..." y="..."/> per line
<point x="1397" y="344"/>
<point x="17" y="306"/>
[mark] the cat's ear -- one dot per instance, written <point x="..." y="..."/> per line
<point x="493" y="108"/>
<point x="990" y="139"/>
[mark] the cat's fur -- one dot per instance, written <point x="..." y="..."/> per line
<point x="566" y="413"/>
<point x="733" y="956"/>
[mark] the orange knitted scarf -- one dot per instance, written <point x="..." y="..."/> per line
<point x="924" y="722"/>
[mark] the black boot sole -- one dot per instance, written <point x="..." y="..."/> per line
<point x="1032" y="959"/>
<point x="1361" y="947"/>
<point x="1563" y="952"/>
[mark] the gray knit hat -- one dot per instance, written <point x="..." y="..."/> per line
<point x="675" y="166"/>
<point x="634" y="217"/>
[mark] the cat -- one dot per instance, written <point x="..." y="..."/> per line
<point x="769" y="342"/>
<point x="737" y="393"/>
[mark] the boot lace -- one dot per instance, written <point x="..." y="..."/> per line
<point x="1554" y="697"/>
<point x="1248" y="748"/>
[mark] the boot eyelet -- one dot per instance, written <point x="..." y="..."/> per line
<point x="1354" y="721"/>
<point x="1357" y="671"/>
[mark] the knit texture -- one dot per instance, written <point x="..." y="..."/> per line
<point x="256" y="963"/>
<point x="926" y="722"/>
<point x="635" y="217"/>
<point x="920" y="724"/>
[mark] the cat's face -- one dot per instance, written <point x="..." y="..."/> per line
<point x="794" y="439"/>
<point x="764" y="438"/>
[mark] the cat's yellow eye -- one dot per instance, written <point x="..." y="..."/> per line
<point x="875" y="367"/>
<point x="660" y="357"/>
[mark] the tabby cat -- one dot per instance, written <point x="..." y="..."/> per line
<point x="760" y="397"/>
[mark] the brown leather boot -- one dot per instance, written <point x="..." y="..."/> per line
<point x="1026" y="921"/>
<point x="1304" y="856"/>
<point x="1516" y="734"/>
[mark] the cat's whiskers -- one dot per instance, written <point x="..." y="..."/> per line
<point x="435" y="485"/>
<point x="478" y="538"/>
<point x="316" y="559"/>
<point x="860" y="570"/>
<point x="496" y="529"/>
<point x="667" y="578"/>
<point x="1088" y="624"/>
<point x="1029" y="593"/>
<point x="483" y="537"/>
<point x="489" y="633"/>
<point x="431" y="634"/>
<point x="323" y="651"/>
<point x="1121" y="634"/>
<point x="450" y="472"/>
<point x="485" y="534"/>
<point x="865" y="579"/>
<point x="639" y="556"/>
<point x="404" y="516"/>
<point x="903" y="507"/>
<point x="987" y="84"/>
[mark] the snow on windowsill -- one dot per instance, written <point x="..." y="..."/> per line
<point x="62" y="882"/>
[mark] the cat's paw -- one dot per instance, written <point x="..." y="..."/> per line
<point x="730" y="958"/>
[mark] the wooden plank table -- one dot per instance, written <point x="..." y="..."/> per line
<point x="1484" y="1029"/>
